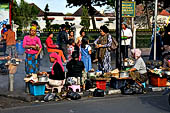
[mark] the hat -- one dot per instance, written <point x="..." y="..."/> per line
<point x="124" y="23"/>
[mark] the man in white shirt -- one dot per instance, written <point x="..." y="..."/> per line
<point x="126" y="34"/>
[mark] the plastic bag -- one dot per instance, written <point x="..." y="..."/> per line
<point x="98" y="93"/>
<point x="73" y="95"/>
<point x="49" y="97"/>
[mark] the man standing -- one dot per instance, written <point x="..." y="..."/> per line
<point x="62" y="40"/>
<point x="126" y="34"/>
<point x="9" y="36"/>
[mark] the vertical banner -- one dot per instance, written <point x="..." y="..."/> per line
<point x="128" y="9"/>
<point x="4" y="14"/>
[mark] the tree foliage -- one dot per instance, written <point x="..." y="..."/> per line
<point x="23" y="13"/>
<point x="89" y="5"/>
<point x="85" y="20"/>
<point x="46" y="13"/>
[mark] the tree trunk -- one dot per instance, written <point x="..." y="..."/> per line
<point x="93" y="22"/>
<point x="147" y="15"/>
<point x="91" y="13"/>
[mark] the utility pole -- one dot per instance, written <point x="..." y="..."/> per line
<point x="156" y="9"/>
<point x="134" y="32"/>
<point x="118" y="32"/>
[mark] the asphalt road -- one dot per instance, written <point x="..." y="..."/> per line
<point x="150" y="103"/>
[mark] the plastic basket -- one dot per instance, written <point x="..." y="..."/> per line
<point x="157" y="81"/>
<point x="37" y="89"/>
<point x="101" y="84"/>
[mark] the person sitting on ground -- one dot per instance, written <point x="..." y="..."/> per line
<point x="138" y="72"/>
<point x="51" y="47"/>
<point x="56" y="76"/>
<point x="75" y="68"/>
<point x="70" y="48"/>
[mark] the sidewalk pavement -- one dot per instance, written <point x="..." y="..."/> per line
<point x="19" y="84"/>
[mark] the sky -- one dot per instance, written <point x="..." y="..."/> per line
<point x="56" y="5"/>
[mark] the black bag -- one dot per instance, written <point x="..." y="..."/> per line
<point x="98" y="93"/>
<point x="73" y="95"/>
<point x="88" y="84"/>
<point x="49" y="97"/>
<point x="130" y="89"/>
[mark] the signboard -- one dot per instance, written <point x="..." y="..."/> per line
<point x="4" y="14"/>
<point x="128" y="9"/>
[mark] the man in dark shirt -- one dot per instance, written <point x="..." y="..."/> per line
<point x="62" y="40"/>
<point x="75" y="67"/>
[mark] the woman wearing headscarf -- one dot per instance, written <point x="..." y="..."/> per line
<point x="33" y="47"/>
<point x="102" y="43"/>
<point x="138" y="72"/>
<point x="56" y="76"/>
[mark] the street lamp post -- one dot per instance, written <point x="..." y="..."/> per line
<point x="156" y="9"/>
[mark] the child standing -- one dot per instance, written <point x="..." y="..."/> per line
<point x="70" y="48"/>
<point x="85" y="54"/>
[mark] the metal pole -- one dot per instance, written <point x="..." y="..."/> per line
<point x="134" y="32"/>
<point x="156" y="9"/>
<point x="118" y="32"/>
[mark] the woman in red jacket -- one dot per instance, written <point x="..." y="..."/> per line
<point x="51" y="47"/>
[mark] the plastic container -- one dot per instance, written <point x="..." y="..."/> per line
<point x="159" y="82"/>
<point x="144" y="84"/>
<point x="37" y="90"/>
<point x="19" y="47"/>
<point x="75" y="88"/>
<point x="101" y="84"/>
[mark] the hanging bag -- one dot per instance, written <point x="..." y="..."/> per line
<point x="114" y="44"/>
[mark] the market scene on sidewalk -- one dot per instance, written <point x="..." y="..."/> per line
<point x="85" y="56"/>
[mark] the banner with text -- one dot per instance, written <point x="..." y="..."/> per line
<point x="128" y="9"/>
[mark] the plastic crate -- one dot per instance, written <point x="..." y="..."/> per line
<point x="101" y="84"/>
<point x="157" y="81"/>
<point x="37" y="90"/>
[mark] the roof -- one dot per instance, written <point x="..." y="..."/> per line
<point x="41" y="12"/>
<point x="164" y="13"/>
<point x="109" y="14"/>
<point x="79" y="12"/>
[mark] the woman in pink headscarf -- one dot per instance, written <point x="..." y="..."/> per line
<point x="138" y="71"/>
<point x="56" y="76"/>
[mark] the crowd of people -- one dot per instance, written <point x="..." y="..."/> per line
<point x="75" y="52"/>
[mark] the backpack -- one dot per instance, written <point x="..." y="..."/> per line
<point x="114" y="44"/>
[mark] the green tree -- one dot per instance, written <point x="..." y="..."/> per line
<point x="85" y="20"/>
<point x="89" y="5"/>
<point x="23" y="13"/>
<point x="46" y="13"/>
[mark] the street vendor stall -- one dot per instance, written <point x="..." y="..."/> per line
<point x="36" y="83"/>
